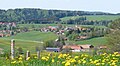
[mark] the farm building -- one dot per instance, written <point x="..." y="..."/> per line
<point x="73" y="48"/>
<point x="103" y="47"/>
<point x="1" y="35"/>
<point x="78" y="48"/>
<point x="86" y="47"/>
<point x="53" y="49"/>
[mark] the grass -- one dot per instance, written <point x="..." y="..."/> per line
<point x="69" y="59"/>
<point x="35" y="36"/>
<point x="103" y="17"/>
<point x="94" y="41"/>
<point x="46" y="25"/>
<point x="36" y="25"/>
<point x="94" y="17"/>
<point x="28" y="40"/>
<point x="93" y="26"/>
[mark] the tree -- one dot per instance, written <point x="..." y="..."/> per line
<point x="114" y="36"/>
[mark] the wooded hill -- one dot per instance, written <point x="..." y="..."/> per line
<point x="31" y="15"/>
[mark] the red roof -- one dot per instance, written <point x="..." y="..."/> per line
<point x="75" y="47"/>
<point x="86" y="46"/>
<point x="103" y="47"/>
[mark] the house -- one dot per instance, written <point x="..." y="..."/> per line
<point x="103" y="47"/>
<point x="86" y="47"/>
<point x="53" y="28"/>
<point x="78" y="48"/>
<point x="1" y="35"/>
<point x="83" y="37"/>
<point x="53" y="49"/>
<point x="73" y="48"/>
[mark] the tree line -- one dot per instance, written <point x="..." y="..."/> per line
<point x="32" y="15"/>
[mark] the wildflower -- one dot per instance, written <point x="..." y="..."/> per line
<point x="63" y="62"/>
<point x="79" y="61"/>
<point x="84" y="61"/>
<point x="28" y="58"/>
<point x="20" y="61"/>
<point x="113" y="64"/>
<point x="103" y="63"/>
<point x="47" y="57"/>
<point x="67" y="64"/>
<point x="96" y="61"/>
<point x="60" y="56"/>
<point x="115" y="53"/>
<point x="64" y="55"/>
<point x="53" y="61"/>
<point x="73" y="60"/>
<point x="13" y="62"/>
<point x="35" y="57"/>
<point x="97" y="64"/>
<point x="76" y="57"/>
<point x="90" y="59"/>
<point x="43" y="58"/>
<point x="104" y="54"/>
<point x="20" y="58"/>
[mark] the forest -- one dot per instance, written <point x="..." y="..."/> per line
<point x="42" y="16"/>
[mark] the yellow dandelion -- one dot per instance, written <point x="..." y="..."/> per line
<point x="13" y="62"/>
<point x="76" y="57"/>
<point x="20" y="58"/>
<point x="63" y="62"/>
<point x="43" y="58"/>
<point x="53" y="61"/>
<point x="35" y="57"/>
<point x="97" y="64"/>
<point x="28" y="58"/>
<point x="79" y="61"/>
<point x="67" y="64"/>
<point x="84" y="61"/>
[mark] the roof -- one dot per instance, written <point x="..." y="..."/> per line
<point x="52" y="48"/>
<point x="103" y="47"/>
<point x="83" y="37"/>
<point x="86" y="46"/>
<point x="75" y="47"/>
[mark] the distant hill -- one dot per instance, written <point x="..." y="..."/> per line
<point x="27" y="15"/>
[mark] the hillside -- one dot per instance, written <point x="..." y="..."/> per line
<point x="28" y="40"/>
<point x="93" y="17"/>
<point x="94" y="41"/>
<point x="32" y="15"/>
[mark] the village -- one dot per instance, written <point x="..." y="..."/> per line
<point x="77" y="33"/>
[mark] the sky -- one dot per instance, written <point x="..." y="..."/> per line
<point x="111" y="6"/>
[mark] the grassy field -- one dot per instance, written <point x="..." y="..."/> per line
<point x="28" y="40"/>
<point x="60" y="59"/>
<point x="92" y="26"/>
<point x="94" y="41"/>
<point x="36" y="25"/>
<point x="46" y="25"/>
<point x="32" y="25"/>
<point x="94" y="17"/>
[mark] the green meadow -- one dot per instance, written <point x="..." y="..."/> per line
<point x="94" y="41"/>
<point x="28" y="40"/>
<point x="94" y="17"/>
